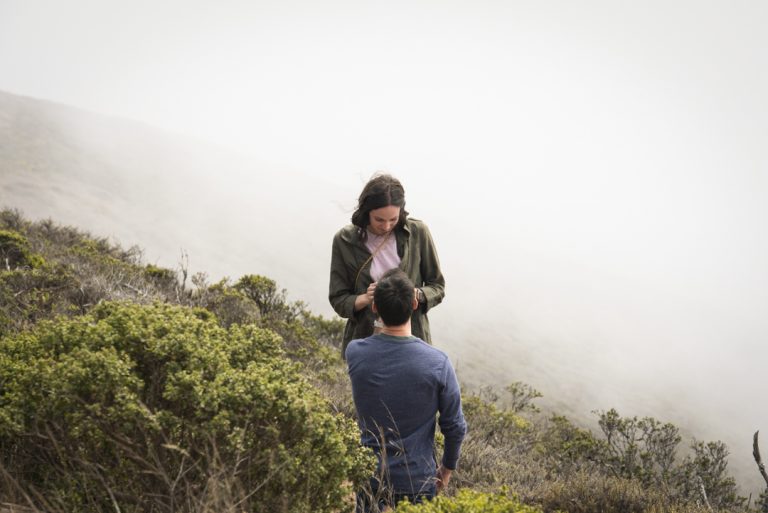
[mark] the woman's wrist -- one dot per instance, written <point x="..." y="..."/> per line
<point x="362" y="301"/>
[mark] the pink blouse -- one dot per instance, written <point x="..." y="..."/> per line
<point x="387" y="257"/>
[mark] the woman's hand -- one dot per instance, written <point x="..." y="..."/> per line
<point x="370" y="291"/>
<point x="365" y="300"/>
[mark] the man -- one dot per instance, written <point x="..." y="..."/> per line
<point x="399" y="384"/>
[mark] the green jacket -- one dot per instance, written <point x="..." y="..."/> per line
<point x="418" y="258"/>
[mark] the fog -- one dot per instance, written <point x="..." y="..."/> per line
<point x="593" y="173"/>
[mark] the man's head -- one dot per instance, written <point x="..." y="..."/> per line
<point x="394" y="299"/>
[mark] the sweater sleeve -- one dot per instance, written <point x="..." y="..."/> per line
<point x="452" y="423"/>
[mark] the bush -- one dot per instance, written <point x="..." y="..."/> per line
<point x="29" y="295"/>
<point x="469" y="501"/>
<point x="11" y="219"/>
<point x="158" y="408"/>
<point x="497" y="448"/>
<point x="229" y="304"/>
<point x="707" y="468"/>
<point x="639" y="448"/>
<point x="161" y="275"/>
<point x="645" y="449"/>
<point x="262" y="291"/>
<point x="568" y="447"/>
<point x="15" y="252"/>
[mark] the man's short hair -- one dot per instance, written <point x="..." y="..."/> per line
<point x="394" y="297"/>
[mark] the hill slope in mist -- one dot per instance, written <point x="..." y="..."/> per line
<point x="234" y="216"/>
<point x="138" y="183"/>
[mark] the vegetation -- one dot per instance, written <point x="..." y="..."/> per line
<point x="160" y="406"/>
<point x="113" y="396"/>
<point x="125" y="388"/>
<point x="468" y="501"/>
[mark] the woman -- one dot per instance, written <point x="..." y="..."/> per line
<point x="380" y="238"/>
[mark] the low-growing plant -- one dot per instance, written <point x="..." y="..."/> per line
<point x="470" y="501"/>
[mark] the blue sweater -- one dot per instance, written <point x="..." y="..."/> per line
<point x="399" y="384"/>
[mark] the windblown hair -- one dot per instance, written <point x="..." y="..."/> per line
<point x="394" y="297"/>
<point x="381" y="191"/>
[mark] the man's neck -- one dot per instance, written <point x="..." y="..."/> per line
<point x="404" y="330"/>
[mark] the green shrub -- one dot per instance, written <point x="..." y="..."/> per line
<point x="707" y="467"/>
<point x="639" y="448"/>
<point x="11" y="219"/>
<point x="159" y="408"/>
<point x="567" y="446"/>
<point x="15" y="252"/>
<point x="161" y="275"/>
<point x="469" y="501"/>
<point x="229" y="304"/>
<point x="263" y="291"/>
<point x="29" y="295"/>
<point x="520" y="397"/>
<point x="497" y="446"/>
<point x="497" y="426"/>
<point x="644" y="449"/>
<point x="306" y="337"/>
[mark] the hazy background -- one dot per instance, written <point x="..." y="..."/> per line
<point x="594" y="173"/>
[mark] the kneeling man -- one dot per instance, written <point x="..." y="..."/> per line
<point x="399" y="384"/>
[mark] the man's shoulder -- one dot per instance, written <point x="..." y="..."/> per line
<point x="358" y="347"/>
<point x="425" y="353"/>
<point x="430" y="349"/>
<point x="353" y="348"/>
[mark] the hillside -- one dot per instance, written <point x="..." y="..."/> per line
<point x="132" y="181"/>
<point x="540" y="320"/>
<point x="81" y="303"/>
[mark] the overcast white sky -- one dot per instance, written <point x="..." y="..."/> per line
<point x="595" y="173"/>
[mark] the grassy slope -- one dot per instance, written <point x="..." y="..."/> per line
<point x="545" y="460"/>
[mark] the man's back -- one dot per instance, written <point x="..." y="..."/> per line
<point x="399" y="384"/>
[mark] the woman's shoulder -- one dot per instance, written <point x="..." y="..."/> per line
<point x="347" y="234"/>
<point x="416" y="225"/>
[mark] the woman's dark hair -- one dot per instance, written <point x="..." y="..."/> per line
<point x="380" y="191"/>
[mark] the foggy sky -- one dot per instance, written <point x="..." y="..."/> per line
<point x="593" y="173"/>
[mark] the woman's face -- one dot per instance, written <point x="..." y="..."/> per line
<point x="383" y="220"/>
